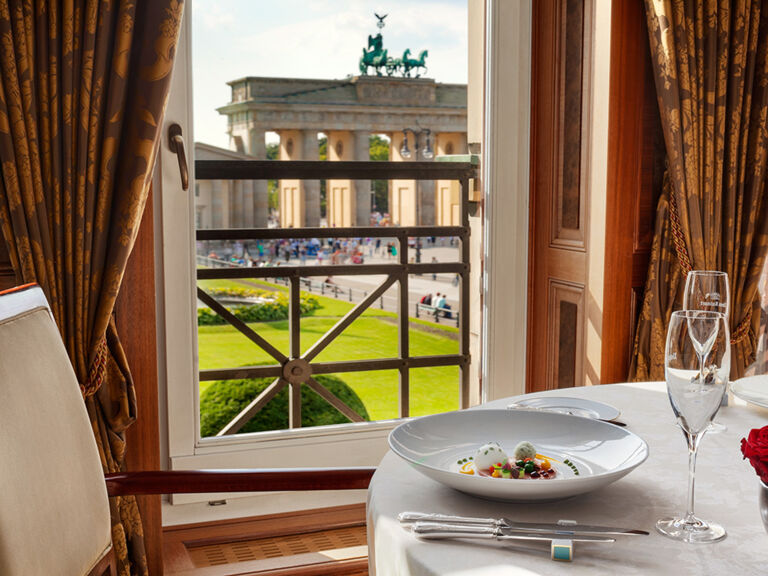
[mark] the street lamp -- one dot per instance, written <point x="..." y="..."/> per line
<point x="427" y="153"/>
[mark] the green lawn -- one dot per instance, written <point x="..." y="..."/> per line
<point x="373" y="335"/>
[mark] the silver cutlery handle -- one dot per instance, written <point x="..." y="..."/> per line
<point x="437" y="530"/>
<point x="445" y="518"/>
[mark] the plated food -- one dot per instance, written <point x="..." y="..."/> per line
<point x="584" y="454"/>
<point x="525" y="464"/>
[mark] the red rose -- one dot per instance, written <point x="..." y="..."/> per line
<point x="755" y="447"/>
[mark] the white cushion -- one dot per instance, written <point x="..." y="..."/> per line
<point x="54" y="512"/>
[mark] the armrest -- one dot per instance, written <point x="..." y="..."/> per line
<point x="266" y="480"/>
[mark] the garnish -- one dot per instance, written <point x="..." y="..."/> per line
<point x="572" y="466"/>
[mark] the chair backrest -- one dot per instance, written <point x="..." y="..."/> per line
<point x="54" y="511"/>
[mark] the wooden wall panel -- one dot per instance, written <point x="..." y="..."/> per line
<point x="7" y="275"/>
<point x="558" y="226"/>
<point x="566" y="335"/>
<point x="635" y="171"/>
<point x="137" y="326"/>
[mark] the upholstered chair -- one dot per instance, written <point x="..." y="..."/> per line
<point x="54" y="510"/>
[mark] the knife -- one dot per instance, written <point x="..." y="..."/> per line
<point x="440" y="530"/>
<point x="562" y="528"/>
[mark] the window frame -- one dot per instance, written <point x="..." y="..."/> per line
<point x="364" y="443"/>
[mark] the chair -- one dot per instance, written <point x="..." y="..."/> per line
<point x="54" y="515"/>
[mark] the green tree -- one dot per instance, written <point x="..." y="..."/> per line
<point x="273" y="151"/>
<point x="322" y="145"/>
<point x="379" y="152"/>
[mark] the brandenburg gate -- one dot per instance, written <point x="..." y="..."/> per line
<point x="349" y="111"/>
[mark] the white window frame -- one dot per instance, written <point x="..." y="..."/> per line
<point x="344" y="445"/>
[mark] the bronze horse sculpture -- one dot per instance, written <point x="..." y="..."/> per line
<point x="376" y="57"/>
<point x="416" y="64"/>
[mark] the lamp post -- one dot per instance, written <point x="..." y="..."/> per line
<point x="427" y="154"/>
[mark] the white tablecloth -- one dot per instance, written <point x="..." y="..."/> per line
<point x="726" y="492"/>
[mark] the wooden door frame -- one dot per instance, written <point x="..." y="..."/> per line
<point x="136" y="321"/>
<point x="635" y="165"/>
<point x="546" y="186"/>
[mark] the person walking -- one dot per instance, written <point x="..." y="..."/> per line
<point x="434" y="274"/>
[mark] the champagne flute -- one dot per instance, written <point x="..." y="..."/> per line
<point x="708" y="290"/>
<point x="696" y="385"/>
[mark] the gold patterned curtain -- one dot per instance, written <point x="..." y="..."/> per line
<point x="83" y="88"/>
<point x="710" y="60"/>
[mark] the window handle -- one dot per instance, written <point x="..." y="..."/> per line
<point x="176" y="144"/>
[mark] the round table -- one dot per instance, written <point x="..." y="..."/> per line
<point x="726" y="492"/>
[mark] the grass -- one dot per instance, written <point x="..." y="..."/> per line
<point x="373" y="335"/>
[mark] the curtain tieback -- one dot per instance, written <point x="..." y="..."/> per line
<point x="743" y="329"/>
<point x="97" y="370"/>
<point x="677" y="236"/>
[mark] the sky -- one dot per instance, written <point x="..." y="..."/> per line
<point x="312" y="39"/>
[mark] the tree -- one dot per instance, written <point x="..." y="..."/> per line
<point x="379" y="151"/>
<point x="322" y="144"/>
<point x="273" y="150"/>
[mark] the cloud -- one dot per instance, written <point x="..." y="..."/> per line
<point x="317" y="39"/>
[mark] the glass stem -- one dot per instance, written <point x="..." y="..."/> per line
<point x="693" y="446"/>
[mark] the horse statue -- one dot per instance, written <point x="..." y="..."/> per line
<point x="414" y="63"/>
<point x="396" y="64"/>
<point x="374" y="57"/>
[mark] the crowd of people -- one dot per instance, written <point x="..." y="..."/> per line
<point x="322" y="251"/>
<point x="437" y="302"/>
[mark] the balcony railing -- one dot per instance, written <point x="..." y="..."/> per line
<point x="294" y="370"/>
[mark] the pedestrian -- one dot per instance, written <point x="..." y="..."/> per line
<point x="434" y="274"/>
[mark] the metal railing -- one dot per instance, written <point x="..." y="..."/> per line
<point x="295" y="369"/>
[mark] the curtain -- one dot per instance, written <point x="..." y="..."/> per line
<point x="83" y="88"/>
<point x="710" y="59"/>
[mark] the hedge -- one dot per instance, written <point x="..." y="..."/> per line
<point x="225" y="399"/>
<point x="271" y="310"/>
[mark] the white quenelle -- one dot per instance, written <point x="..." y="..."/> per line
<point x="489" y="454"/>
<point x="525" y="450"/>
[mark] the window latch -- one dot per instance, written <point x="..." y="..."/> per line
<point x="176" y="144"/>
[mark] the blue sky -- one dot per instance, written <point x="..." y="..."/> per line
<point x="312" y="39"/>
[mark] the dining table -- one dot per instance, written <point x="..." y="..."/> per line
<point x="726" y="491"/>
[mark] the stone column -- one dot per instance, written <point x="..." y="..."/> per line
<point x="310" y="151"/>
<point x="402" y="193"/>
<point x="236" y="207"/>
<point x="291" y="190"/>
<point x="362" y="152"/>
<point x="427" y="192"/>
<point x="341" y="198"/>
<point x="257" y="147"/>
<point x="219" y="204"/>
<point x="248" y="208"/>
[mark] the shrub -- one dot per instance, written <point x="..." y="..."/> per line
<point x="224" y="399"/>
<point x="234" y="292"/>
<point x="274" y="309"/>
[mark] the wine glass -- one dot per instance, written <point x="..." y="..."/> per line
<point x="696" y="384"/>
<point x="708" y="290"/>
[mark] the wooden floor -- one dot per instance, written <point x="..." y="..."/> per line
<point x="307" y="543"/>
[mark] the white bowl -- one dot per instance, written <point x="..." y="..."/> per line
<point x="601" y="452"/>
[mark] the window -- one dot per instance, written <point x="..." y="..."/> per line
<point x="358" y="444"/>
<point x="183" y="252"/>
